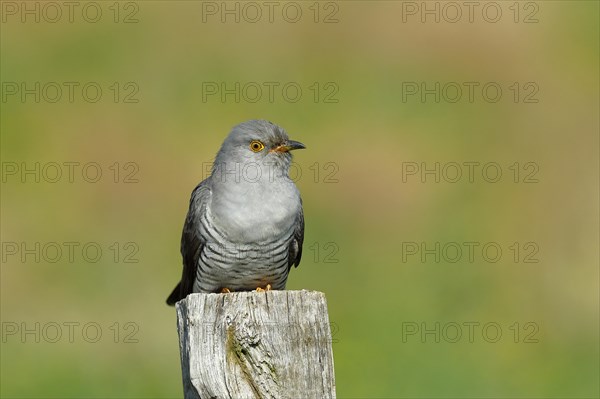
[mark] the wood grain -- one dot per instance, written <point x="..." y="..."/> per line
<point x="274" y="344"/>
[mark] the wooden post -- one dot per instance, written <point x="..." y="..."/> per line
<point x="274" y="344"/>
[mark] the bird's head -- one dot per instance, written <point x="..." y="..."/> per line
<point x="259" y="142"/>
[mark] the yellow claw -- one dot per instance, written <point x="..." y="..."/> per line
<point x="225" y="290"/>
<point x="267" y="288"/>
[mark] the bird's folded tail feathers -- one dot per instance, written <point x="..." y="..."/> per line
<point x="175" y="295"/>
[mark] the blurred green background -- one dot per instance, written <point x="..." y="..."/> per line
<point x="359" y="209"/>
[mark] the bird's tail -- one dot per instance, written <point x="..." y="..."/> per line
<point x="175" y="295"/>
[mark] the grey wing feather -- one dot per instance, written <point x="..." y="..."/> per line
<point x="191" y="242"/>
<point x="295" y="248"/>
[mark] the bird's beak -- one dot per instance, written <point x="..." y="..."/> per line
<point x="289" y="146"/>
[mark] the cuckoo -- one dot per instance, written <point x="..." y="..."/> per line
<point x="244" y="229"/>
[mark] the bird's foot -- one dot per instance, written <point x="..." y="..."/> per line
<point x="225" y="290"/>
<point x="267" y="288"/>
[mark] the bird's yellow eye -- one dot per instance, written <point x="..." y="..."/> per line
<point x="256" y="146"/>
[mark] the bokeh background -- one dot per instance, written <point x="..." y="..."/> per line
<point x="362" y="132"/>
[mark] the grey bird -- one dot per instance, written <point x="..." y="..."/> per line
<point x="245" y="225"/>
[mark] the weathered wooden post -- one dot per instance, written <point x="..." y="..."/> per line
<point x="274" y="344"/>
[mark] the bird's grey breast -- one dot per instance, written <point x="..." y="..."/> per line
<point x="255" y="211"/>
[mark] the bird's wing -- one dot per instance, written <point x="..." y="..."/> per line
<point x="191" y="242"/>
<point x="295" y="248"/>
